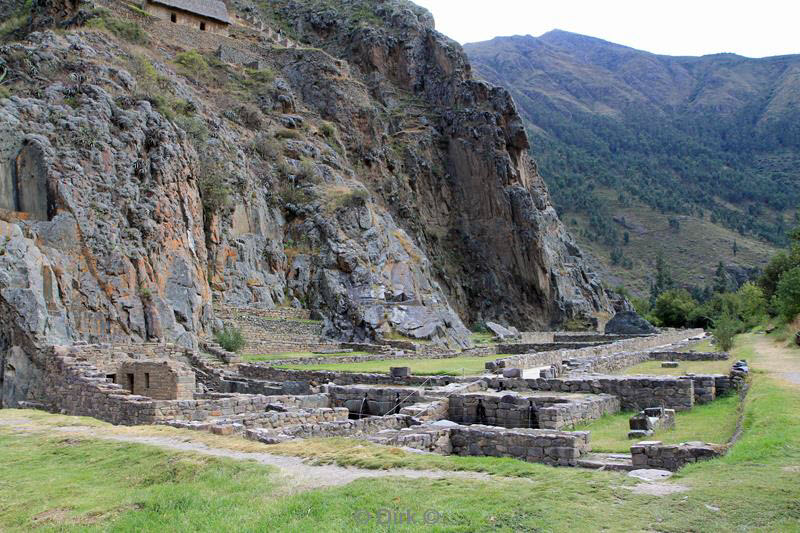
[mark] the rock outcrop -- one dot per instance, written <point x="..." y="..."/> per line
<point x="629" y="323"/>
<point x="368" y="178"/>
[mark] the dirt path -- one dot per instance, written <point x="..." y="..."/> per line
<point x="296" y="473"/>
<point x="778" y="361"/>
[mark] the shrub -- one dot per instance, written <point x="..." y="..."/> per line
<point x="725" y="329"/>
<point x="214" y="192"/>
<point x="230" y="338"/>
<point x="250" y="116"/>
<point x="195" y="128"/>
<point x="787" y="295"/>
<point x="286" y="133"/>
<point x="17" y="20"/>
<point x="262" y="75"/>
<point x="294" y="196"/>
<point x="192" y="61"/>
<point x="307" y="171"/>
<point x="129" y="31"/>
<point x="673" y="308"/>
<point x="266" y="147"/>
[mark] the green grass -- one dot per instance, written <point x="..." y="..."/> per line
<point x="294" y="355"/>
<point x="714" y="422"/>
<point x="702" y="346"/>
<point x="654" y="368"/>
<point x="481" y="338"/>
<point x="60" y="484"/>
<point x="453" y="366"/>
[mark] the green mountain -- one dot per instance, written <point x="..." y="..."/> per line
<point x="685" y="155"/>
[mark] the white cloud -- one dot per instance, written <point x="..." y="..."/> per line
<point x="678" y="27"/>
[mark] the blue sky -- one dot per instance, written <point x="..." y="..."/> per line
<point x="679" y="27"/>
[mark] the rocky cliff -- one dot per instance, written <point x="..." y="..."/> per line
<point x="354" y="168"/>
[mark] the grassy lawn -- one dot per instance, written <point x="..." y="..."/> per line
<point x="653" y="368"/>
<point x="74" y="484"/>
<point x="481" y="338"/>
<point x="714" y="422"/>
<point x="702" y="346"/>
<point x="453" y="366"/>
<point x="293" y="355"/>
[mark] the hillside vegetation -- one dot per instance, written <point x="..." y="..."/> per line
<point x="707" y="142"/>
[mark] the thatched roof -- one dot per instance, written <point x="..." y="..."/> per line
<point x="213" y="9"/>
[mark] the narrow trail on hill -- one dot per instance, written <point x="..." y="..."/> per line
<point x="297" y="473"/>
<point x="778" y="361"/>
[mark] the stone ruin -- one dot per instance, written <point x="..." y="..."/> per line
<point x="525" y="406"/>
<point x="648" y="421"/>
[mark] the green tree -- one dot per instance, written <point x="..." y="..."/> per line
<point x="721" y="280"/>
<point x="663" y="281"/>
<point x="725" y="329"/>
<point x="787" y="295"/>
<point x="674" y="307"/>
<point x="752" y="305"/>
<point x="780" y="263"/>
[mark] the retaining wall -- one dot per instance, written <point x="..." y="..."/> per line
<point x="627" y="345"/>
<point x="654" y="454"/>
<point x="634" y="393"/>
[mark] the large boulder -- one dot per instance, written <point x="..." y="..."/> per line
<point x="629" y="323"/>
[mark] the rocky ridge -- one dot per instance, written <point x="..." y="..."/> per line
<point x="363" y="175"/>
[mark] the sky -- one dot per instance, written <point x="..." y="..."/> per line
<point x="679" y="27"/>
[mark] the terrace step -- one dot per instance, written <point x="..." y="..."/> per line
<point x="620" y="462"/>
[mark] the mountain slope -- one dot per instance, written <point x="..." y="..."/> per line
<point x="349" y="165"/>
<point x="713" y="138"/>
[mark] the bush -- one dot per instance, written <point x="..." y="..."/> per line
<point x="267" y="147"/>
<point x="230" y="338"/>
<point x="250" y="116"/>
<point x="195" y="128"/>
<point x="787" y="295"/>
<point x="286" y="133"/>
<point x="129" y="31"/>
<point x="674" y="307"/>
<point x="308" y="171"/>
<point x="214" y="192"/>
<point x="725" y="329"/>
<point x="193" y="62"/>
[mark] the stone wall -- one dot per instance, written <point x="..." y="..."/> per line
<point x="689" y="356"/>
<point x="654" y="454"/>
<point x="379" y="401"/>
<point x="187" y="21"/>
<point x="264" y="372"/>
<point x="269" y="420"/>
<point x="591" y="337"/>
<point x="512" y="410"/>
<point x="343" y="428"/>
<point x="527" y="348"/>
<point x="705" y="387"/>
<point x="160" y="380"/>
<point x="627" y="345"/>
<point x="634" y="393"/>
<point x="533" y="445"/>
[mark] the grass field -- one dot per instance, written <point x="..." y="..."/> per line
<point x="293" y="355"/>
<point x="52" y="483"/>
<point x="714" y="422"/>
<point x="653" y="368"/>
<point x="453" y="366"/>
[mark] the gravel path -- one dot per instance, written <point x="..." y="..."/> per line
<point x="297" y="473"/>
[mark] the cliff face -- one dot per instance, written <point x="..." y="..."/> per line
<point x="454" y="166"/>
<point x="366" y="177"/>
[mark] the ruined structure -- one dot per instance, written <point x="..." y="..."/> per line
<point x="205" y="15"/>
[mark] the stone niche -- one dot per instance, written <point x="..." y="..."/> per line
<point x="23" y="183"/>
<point x="159" y="380"/>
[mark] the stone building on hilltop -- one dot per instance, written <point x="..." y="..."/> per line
<point x="205" y="15"/>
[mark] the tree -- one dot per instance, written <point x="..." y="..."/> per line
<point x="787" y="295"/>
<point x="725" y="329"/>
<point x="752" y="306"/>
<point x="735" y="248"/>
<point x="674" y="307"/>
<point x="780" y="263"/>
<point x="721" y="281"/>
<point x="663" y="281"/>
